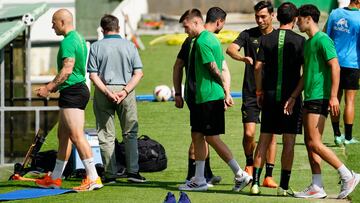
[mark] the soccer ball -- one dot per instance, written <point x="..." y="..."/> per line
<point x="28" y="19"/>
<point x="162" y="93"/>
<point x="182" y="91"/>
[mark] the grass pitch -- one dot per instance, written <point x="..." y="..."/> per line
<point x="170" y="126"/>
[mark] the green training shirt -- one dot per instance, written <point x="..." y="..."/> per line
<point x="73" y="46"/>
<point x="318" y="50"/>
<point x="207" y="49"/>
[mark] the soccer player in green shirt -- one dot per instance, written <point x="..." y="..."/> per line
<point x="210" y="98"/>
<point x="74" y="95"/>
<point x="321" y="83"/>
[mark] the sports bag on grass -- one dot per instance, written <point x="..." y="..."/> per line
<point x="152" y="156"/>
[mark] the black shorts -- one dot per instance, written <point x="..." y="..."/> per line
<point x="273" y="119"/>
<point x="250" y="110"/>
<point x="209" y="118"/>
<point x="75" y="96"/>
<point x="319" y="106"/>
<point x="349" y="78"/>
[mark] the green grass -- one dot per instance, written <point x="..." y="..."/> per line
<point x="170" y="126"/>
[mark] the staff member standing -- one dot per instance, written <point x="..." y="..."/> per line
<point x="115" y="69"/>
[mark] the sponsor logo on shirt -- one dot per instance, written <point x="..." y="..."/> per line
<point x="342" y="25"/>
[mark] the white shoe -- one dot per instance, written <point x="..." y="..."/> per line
<point x="208" y="183"/>
<point x="348" y="186"/>
<point x="194" y="185"/>
<point x="312" y="191"/>
<point x="242" y="182"/>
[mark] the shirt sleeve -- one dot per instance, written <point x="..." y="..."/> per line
<point x="241" y="39"/>
<point x="92" y="65"/>
<point x="136" y="60"/>
<point x="328" y="48"/>
<point x="67" y="50"/>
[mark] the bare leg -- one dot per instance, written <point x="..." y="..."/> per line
<point x="249" y="138"/>
<point x="220" y="147"/>
<point x="314" y="127"/>
<point x="261" y="149"/>
<point x="74" y="128"/>
<point x="287" y="155"/>
<point x="271" y="152"/>
<point x="337" y="117"/>
<point x="349" y="112"/>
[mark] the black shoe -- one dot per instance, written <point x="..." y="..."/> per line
<point x="136" y="178"/>
<point x="109" y="180"/>
<point x="121" y="173"/>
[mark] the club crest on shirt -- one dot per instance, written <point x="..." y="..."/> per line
<point x="342" y="25"/>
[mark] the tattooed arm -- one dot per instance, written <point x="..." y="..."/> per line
<point x="68" y="65"/>
<point x="214" y="71"/>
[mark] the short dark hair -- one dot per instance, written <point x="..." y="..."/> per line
<point x="264" y="4"/>
<point x="310" y="10"/>
<point x="214" y="14"/>
<point x="109" y="23"/>
<point x="286" y="13"/>
<point x="191" y="13"/>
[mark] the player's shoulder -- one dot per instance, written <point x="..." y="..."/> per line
<point x="255" y="31"/>
<point x="296" y="35"/>
<point x="206" y="37"/>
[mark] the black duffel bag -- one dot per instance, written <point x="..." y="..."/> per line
<point x="152" y="156"/>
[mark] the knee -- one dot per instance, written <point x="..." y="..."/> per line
<point x="75" y="139"/>
<point x="249" y="134"/>
<point x="196" y="139"/>
<point x="129" y="136"/>
<point x="313" y="146"/>
<point x="211" y="139"/>
<point x="289" y="142"/>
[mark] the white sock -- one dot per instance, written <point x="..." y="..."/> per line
<point x="199" y="170"/>
<point x="90" y="168"/>
<point x="344" y="172"/>
<point x="317" y="180"/>
<point x="235" y="168"/>
<point x="58" y="169"/>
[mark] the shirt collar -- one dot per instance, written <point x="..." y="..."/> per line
<point x="112" y="36"/>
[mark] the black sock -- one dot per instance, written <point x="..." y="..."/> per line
<point x="256" y="176"/>
<point x="191" y="169"/>
<point x="348" y="131"/>
<point x="336" y="128"/>
<point x="207" y="170"/>
<point x="249" y="160"/>
<point x="269" y="170"/>
<point x="285" y="178"/>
